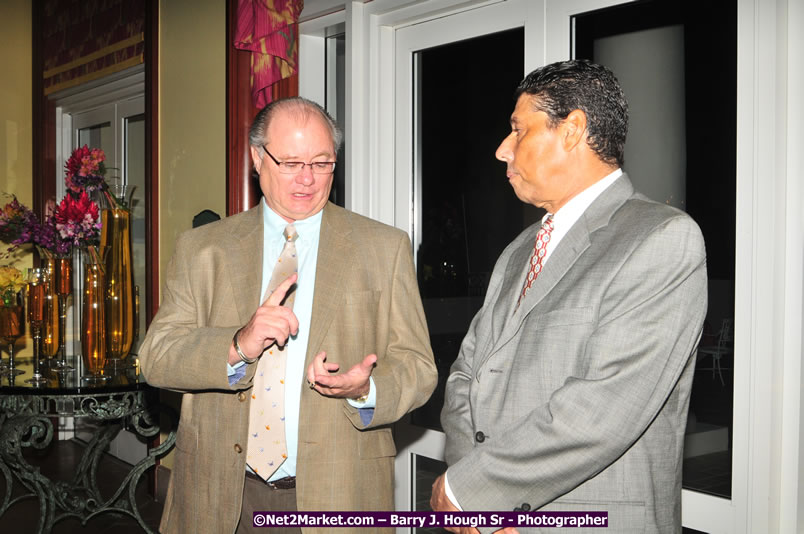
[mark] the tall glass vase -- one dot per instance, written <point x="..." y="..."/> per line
<point x="93" y="320"/>
<point x="36" y="295"/>
<point x="51" y="331"/>
<point x="119" y="298"/>
<point x="64" y="287"/>
<point x="12" y="327"/>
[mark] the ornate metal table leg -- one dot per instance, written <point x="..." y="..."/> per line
<point x="27" y="431"/>
<point x="145" y="422"/>
<point x="80" y="498"/>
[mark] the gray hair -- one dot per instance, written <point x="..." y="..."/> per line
<point x="299" y="106"/>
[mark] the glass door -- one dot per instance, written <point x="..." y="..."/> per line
<point x="660" y="51"/>
<point x="456" y="78"/>
<point x="654" y="47"/>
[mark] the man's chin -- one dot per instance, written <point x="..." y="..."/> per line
<point x="519" y="194"/>
<point x="304" y="209"/>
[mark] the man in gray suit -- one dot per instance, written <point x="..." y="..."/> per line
<point x="571" y="389"/>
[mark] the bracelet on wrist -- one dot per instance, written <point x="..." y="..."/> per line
<point x="239" y="351"/>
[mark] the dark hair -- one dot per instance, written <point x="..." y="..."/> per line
<point x="559" y="88"/>
<point x="258" y="133"/>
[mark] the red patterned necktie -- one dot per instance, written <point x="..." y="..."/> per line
<point x="266" y="424"/>
<point x="537" y="258"/>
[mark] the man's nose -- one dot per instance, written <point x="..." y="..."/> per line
<point x="305" y="177"/>
<point x="504" y="152"/>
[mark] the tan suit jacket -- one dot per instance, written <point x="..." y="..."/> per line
<point x="366" y="301"/>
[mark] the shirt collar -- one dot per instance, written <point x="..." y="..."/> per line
<point x="572" y="210"/>
<point x="274" y="224"/>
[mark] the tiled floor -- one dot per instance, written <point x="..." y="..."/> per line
<point x="709" y="473"/>
<point x="58" y="463"/>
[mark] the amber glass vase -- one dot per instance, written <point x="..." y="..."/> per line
<point x="64" y="286"/>
<point x="12" y="327"/>
<point x="36" y="296"/>
<point x="50" y="325"/>
<point x="119" y="304"/>
<point x="93" y="320"/>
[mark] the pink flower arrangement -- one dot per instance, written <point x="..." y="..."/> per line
<point x="75" y="222"/>
<point x="85" y="170"/>
<point x="78" y="220"/>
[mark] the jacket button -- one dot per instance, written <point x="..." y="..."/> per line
<point x="480" y="437"/>
<point x="525" y="507"/>
<point x="238" y="449"/>
<point x="241" y="397"/>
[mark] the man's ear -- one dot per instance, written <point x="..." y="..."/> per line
<point x="256" y="159"/>
<point x="573" y="129"/>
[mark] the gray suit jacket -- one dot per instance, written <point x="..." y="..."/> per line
<point x="366" y="301"/>
<point x="581" y="393"/>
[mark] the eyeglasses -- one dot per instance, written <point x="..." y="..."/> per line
<point x="295" y="167"/>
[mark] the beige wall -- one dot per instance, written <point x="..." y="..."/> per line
<point x="15" y="106"/>
<point x="192" y="117"/>
<point x="192" y="123"/>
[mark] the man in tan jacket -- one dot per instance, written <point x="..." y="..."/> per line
<point x="358" y="353"/>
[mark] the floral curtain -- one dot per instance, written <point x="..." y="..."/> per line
<point x="268" y="28"/>
<point x="84" y="40"/>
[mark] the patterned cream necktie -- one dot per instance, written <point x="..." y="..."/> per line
<point x="537" y="258"/>
<point x="266" y="423"/>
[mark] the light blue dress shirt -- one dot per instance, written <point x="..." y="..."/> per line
<point x="308" y="231"/>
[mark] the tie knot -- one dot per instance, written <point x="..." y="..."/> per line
<point x="290" y="233"/>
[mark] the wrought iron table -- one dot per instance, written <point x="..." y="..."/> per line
<point x="25" y="422"/>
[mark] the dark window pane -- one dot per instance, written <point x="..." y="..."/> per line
<point x="469" y="212"/>
<point x="336" y="106"/>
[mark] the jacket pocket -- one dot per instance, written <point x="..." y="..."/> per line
<point x="565" y="316"/>
<point x="376" y="443"/>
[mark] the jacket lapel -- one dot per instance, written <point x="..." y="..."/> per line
<point x="334" y="261"/>
<point x="515" y="273"/>
<point x="563" y="257"/>
<point x="561" y="260"/>
<point x="244" y="263"/>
